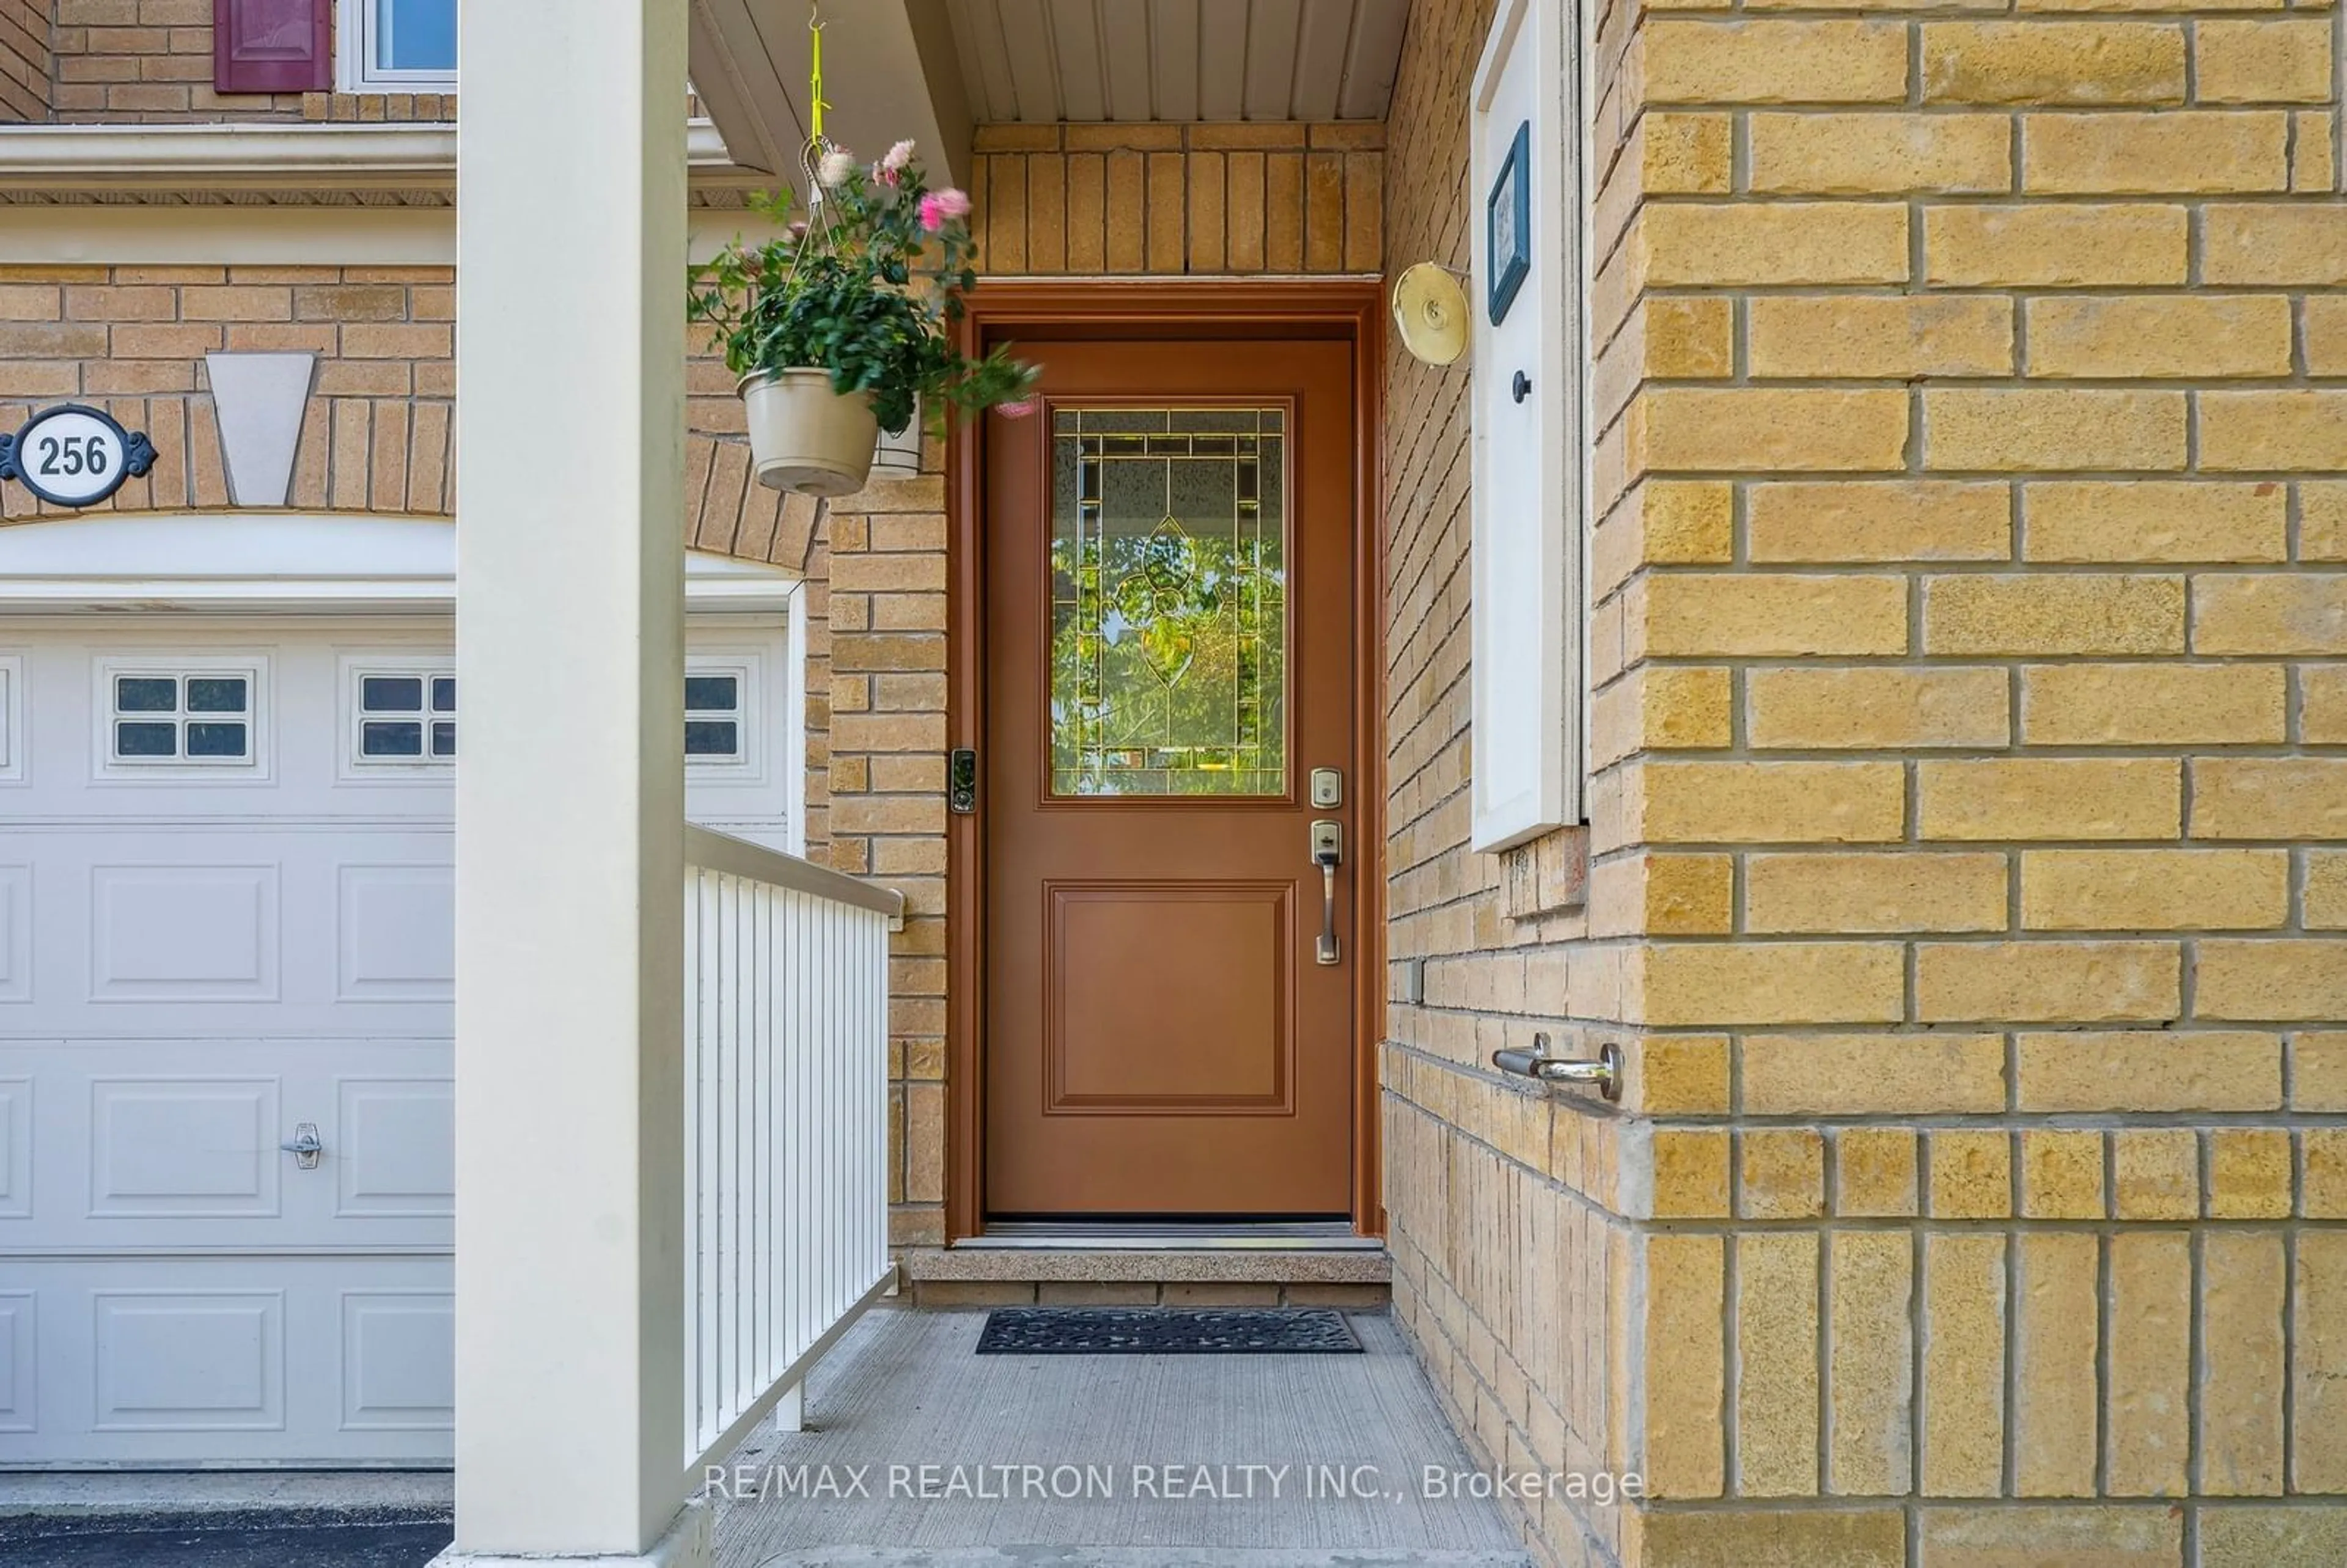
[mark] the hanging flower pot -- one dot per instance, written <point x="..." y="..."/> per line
<point x="863" y="286"/>
<point x="898" y="454"/>
<point x="806" y="439"/>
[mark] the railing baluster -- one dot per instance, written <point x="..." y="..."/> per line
<point x="785" y="1065"/>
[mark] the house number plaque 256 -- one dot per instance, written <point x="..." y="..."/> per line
<point x="74" y="455"/>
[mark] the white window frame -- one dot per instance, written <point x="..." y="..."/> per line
<point x="746" y="764"/>
<point x="1529" y="675"/>
<point x="251" y="767"/>
<point x="12" y="720"/>
<point x="354" y="40"/>
<point x="353" y="669"/>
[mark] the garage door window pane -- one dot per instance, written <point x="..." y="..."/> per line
<point x="704" y="738"/>
<point x="216" y="740"/>
<point x="715" y="716"/>
<point x="710" y="694"/>
<point x="215" y="694"/>
<point x="146" y="740"/>
<point x="190" y="716"/>
<point x="391" y="693"/>
<point x="391" y="738"/>
<point x="146" y="694"/>
<point x="404" y="716"/>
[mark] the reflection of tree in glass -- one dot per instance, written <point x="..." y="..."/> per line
<point x="1168" y="668"/>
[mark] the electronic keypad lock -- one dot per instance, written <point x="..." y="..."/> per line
<point x="1327" y="853"/>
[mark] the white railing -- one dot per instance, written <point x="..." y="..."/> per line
<point x="786" y="1125"/>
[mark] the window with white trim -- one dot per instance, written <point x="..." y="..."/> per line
<point x="400" y="713"/>
<point x="397" y="46"/>
<point x="403" y="716"/>
<point x="161" y="716"/>
<point x="716" y="713"/>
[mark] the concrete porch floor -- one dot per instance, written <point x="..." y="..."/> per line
<point x="904" y="1389"/>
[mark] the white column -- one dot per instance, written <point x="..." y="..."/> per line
<point x="569" y="843"/>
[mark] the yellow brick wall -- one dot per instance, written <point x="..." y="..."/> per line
<point x="1514" y="1262"/>
<point x="378" y="434"/>
<point x="119" y="61"/>
<point x="25" y="69"/>
<point x="1966" y="602"/>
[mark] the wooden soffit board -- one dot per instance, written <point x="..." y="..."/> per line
<point x="1044" y="60"/>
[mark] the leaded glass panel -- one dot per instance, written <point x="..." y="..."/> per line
<point x="1169" y="600"/>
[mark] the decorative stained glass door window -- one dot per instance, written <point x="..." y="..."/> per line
<point x="1169" y="602"/>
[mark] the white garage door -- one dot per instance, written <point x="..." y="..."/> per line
<point x="225" y="927"/>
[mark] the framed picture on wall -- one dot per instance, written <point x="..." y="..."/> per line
<point x="1507" y="219"/>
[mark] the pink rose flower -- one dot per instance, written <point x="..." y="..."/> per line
<point x="940" y="207"/>
<point x="898" y="157"/>
<point x="1017" y="408"/>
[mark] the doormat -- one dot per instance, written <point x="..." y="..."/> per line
<point x="1166" y="1331"/>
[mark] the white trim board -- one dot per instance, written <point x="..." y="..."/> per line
<point x="289" y="563"/>
<point x="259" y="156"/>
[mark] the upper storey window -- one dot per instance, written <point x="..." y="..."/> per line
<point x="399" y="45"/>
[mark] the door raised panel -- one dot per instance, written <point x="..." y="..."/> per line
<point x="16" y="1147"/>
<point x="19" y="1361"/>
<point x="396" y="930"/>
<point x="397" y="1150"/>
<point x="1168" y="998"/>
<point x="15" y="933"/>
<point x="189" y="1148"/>
<point x="183" y="933"/>
<point x="193" y="1362"/>
<point x="399" y="1361"/>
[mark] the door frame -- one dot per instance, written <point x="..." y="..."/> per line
<point x="1345" y="307"/>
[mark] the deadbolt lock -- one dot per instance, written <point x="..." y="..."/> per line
<point x="1328" y="788"/>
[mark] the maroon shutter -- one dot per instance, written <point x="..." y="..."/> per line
<point x="272" y="45"/>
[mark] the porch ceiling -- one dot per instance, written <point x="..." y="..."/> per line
<point x="890" y="70"/>
<point x="1178" y="59"/>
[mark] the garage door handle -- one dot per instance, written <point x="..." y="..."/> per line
<point x="304" y="1145"/>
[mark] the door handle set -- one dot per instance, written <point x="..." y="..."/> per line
<point x="1604" y="1073"/>
<point x="306" y="1146"/>
<point x="1327" y="853"/>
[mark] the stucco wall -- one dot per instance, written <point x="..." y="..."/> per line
<point x="1966" y="602"/>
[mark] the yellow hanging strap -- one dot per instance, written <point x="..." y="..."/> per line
<point x="815" y="78"/>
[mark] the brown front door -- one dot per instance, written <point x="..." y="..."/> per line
<point x="1169" y="659"/>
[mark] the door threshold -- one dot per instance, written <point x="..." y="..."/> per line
<point x="1161" y="1235"/>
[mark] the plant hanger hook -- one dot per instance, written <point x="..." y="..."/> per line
<point x="816" y="103"/>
